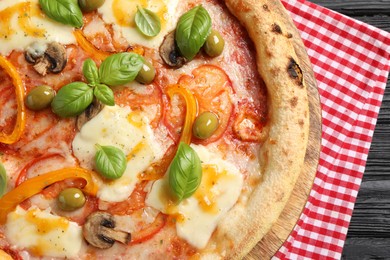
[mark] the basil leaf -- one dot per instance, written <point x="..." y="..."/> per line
<point x="63" y="11"/>
<point x="192" y="30"/>
<point x="104" y="94"/>
<point x="72" y="99"/>
<point x="110" y="161"/>
<point x="185" y="172"/>
<point x="3" y="180"/>
<point x="91" y="72"/>
<point x="120" y="68"/>
<point x="147" y="22"/>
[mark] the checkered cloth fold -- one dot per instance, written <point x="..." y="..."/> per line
<point x="351" y="62"/>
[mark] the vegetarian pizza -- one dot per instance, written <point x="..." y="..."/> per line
<point x="158" y="129"/>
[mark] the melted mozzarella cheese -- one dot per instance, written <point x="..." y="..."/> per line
<point x="43" y="234"/>
<point x="22" y="22"/>
<point x="198" y="216"/>
<point x="128" y="130"/>
<point x="121" y="14"/>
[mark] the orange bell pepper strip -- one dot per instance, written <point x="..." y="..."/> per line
<point x="20" y="124"/>
<point x="191" y="110"/>
<point x="158" y="169"/>
<point x="35" y="185"/>
<point x="88" y="47"/>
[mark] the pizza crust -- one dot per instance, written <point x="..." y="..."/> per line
<point x="282" y="154"/>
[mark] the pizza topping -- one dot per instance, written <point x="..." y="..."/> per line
<point x="131" y="132"/>
<point x="101" y="91"/>
<point x="3" y="180"/>
<point x="212" y="88"/>
<point x="147" y="22"/>
<point x="249" y="123"/>
<point x="72" y="99"/>
<point x="191" y="110"/>
<point x="214" y="44"/>
<point x="90" y="5"/>
<point x="43" y="234"/>
<point x="6" y="256"/>
<point x="46" y="57"/>
<point x="170" y="53"/>
<point x="90" y="72"/>
<point x="110" y="161"/>
<point x="90" y="112"/>
<point x="88" y="47"/>
<point x="70" y="199"/>
<point x="40" y="97"/>
<point x="146" y="74"/>
<point x="198" y="215"/>
<point x="205" y="125"/>
<point x="120" y="68"/>
<point x="63" y="11"/>
<point x="101" y="231"/>
<point x="185" y="172"/>
<point x="192" y="30"/>
<point x="35" y="185"/>
<point x="20" y="124"/>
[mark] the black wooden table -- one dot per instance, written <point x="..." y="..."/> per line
<point x="369" y="231"/>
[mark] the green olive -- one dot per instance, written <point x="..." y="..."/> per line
<point x="205" y="125"/>
<point x="146" y="74"/>
<point x="71" y="199"/>
<point x="40" y="97"/>
<point x="214" y="44"/>
<point x="90" y="5"/>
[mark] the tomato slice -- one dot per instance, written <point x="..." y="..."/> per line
<point x="249" y="123"/>
<point x="54" y="190"/>
<point x="12" y="253"/>
<point x="134" y="202"/>
<point x="212" y="89"/>
<point x="23" y="173"/>
<point x="148" y="231"/>
<point x="150" y="97"/>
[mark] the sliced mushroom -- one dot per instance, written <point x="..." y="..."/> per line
<point x="46" y="58"/>
<point x="92" y="110"/>
<point x="100" y="231"/>
<point x="170" y="53"/>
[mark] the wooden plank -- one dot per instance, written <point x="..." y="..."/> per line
<point x="357" y="7"/>
<point x="366" y="248"/>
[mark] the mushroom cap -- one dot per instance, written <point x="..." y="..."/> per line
<point x="100" y="230"/>
<point x="169" y="52"/>
<point x="57" y="56"/>
<point x="90" y="112"/>
<point x="46" y="57"/>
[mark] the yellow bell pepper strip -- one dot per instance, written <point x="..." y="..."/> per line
<point x="158" y="169"/>
<point x="191" y="110"/>
<point x="35" y="185"/>
<point x="20" y="124"/>
<point x="88" y="47"/>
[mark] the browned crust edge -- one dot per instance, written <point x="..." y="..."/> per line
<point x="282" y="154"/>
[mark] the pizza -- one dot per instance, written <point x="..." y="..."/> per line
<point x="158" y="129"/>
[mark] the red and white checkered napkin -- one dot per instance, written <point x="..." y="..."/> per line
<point x="351" y="61"/>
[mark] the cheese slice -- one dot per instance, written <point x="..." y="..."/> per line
<point x="22" y="23"/>
<point x="125" y="129"/>
<point x="198" y="216"/>
<point x="42" y="233"/>
<point x="121" y="14"/>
